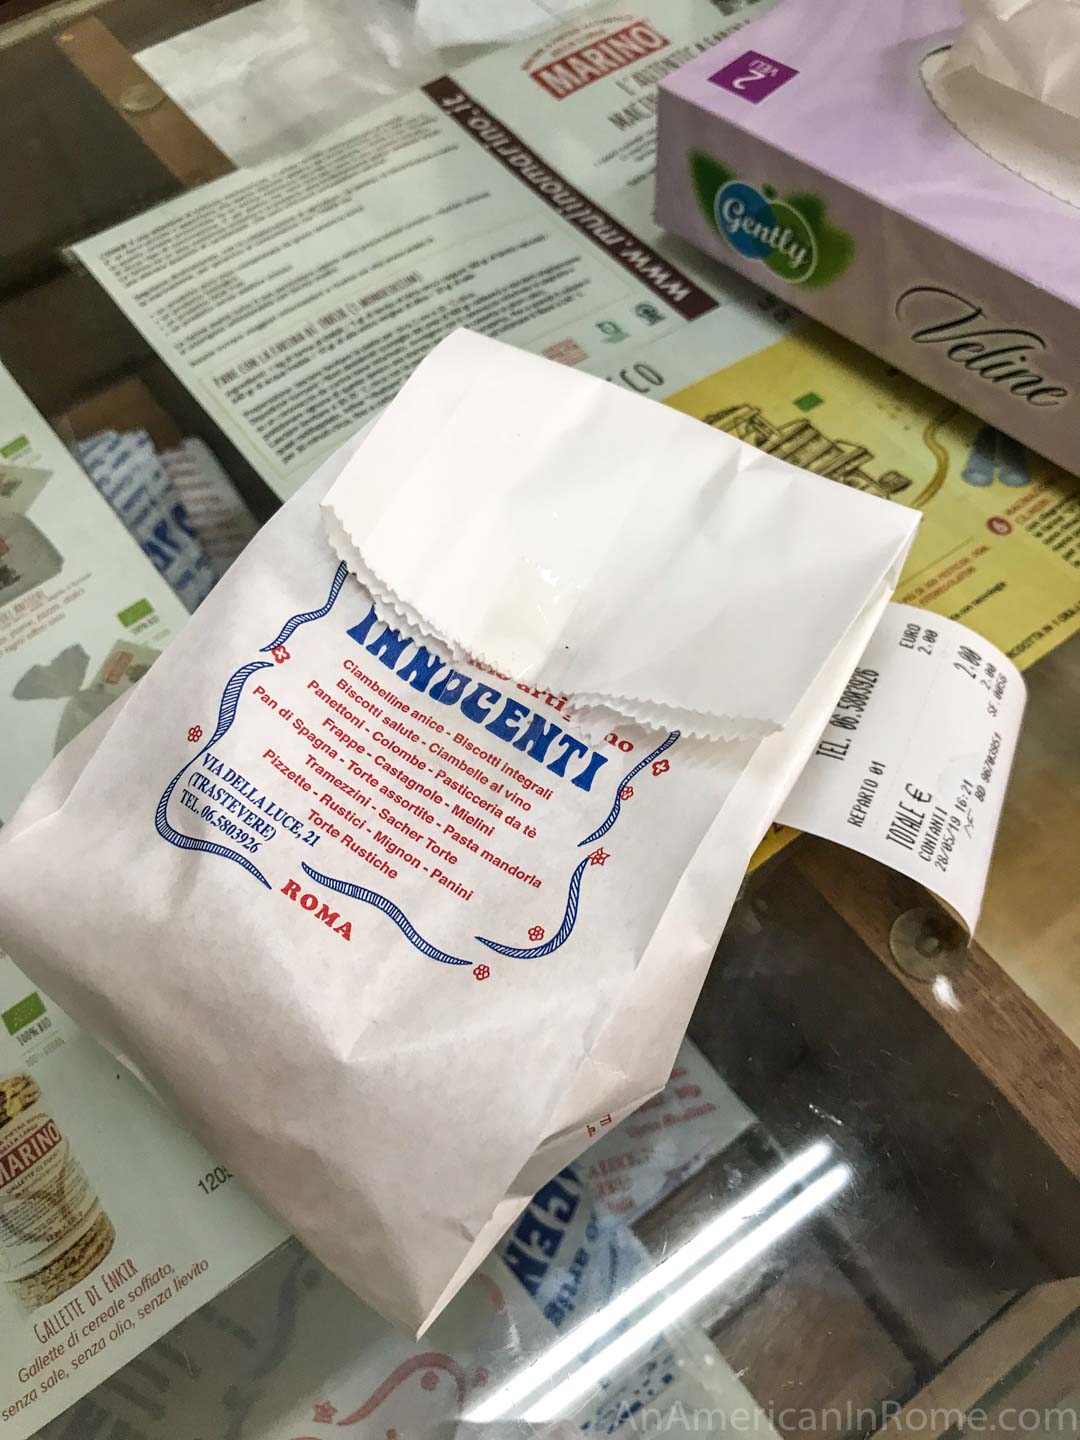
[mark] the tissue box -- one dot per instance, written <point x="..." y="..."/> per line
<point x="819" y="155"/>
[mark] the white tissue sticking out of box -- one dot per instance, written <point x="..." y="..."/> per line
<point x="1032" y="46"/>
<point x="650" y="593"/>
<point x="1010" y="83"/>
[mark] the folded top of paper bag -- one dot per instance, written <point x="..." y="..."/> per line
<point x="549" y="525"/>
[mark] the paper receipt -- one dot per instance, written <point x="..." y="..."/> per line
<point x="913" y="764"/>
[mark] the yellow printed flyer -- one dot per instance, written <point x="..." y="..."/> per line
<point x="999" y="546"/>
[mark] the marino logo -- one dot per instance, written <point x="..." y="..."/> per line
<point x="788" y="233"/>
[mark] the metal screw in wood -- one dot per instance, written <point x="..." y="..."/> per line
<point x="926" y="943"/>
<point x="138" y="99"/>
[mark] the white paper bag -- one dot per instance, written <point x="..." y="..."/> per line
<point x="394" y="932"/>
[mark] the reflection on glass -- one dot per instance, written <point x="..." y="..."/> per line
<point x="751" y="1210"/>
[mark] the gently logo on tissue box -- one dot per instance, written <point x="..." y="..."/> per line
<point x="888" y="187"/>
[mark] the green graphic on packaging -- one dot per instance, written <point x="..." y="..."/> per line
<point x="789" y="234"/>
<point x="12" y="447"/>
<point x="20" y="1015"/>
<point x="135" y="612"/>
<point x="809" y="401"/>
